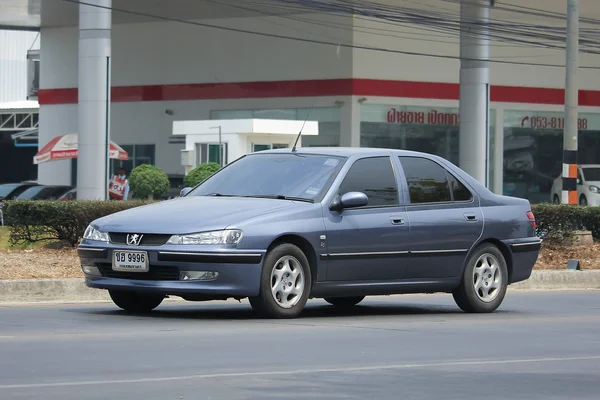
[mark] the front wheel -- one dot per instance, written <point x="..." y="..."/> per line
<point x="135" y="302"/>
<point x="285" y="283"/>
<point x="484" y="281"/>
<point x="583" y="201"/>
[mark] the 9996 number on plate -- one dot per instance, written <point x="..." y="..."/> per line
<point x="134" y="261"/>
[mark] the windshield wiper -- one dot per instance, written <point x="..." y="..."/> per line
<point x="281" y="197"/>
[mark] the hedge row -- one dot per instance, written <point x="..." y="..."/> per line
<point x="32" y="221"/>
<point x="556" y="223"/>
<point x="65" y="221"/>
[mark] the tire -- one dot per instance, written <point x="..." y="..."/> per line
<point x="287" y="268"/>
<point x="473" y="300"/>
<point x="583" y="201"/>
<point x="344" y="301"/>
<point x="556" y="199"/>
<point x="135" y="302"/>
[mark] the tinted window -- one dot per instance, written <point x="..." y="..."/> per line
<point x="459" y="191"/>
<point x="591" y="174"/>
<point x="375" y="178"/>
<point x="264" y="174"/>
<point x="427" y="180"/>
<point x="5" y="190"/>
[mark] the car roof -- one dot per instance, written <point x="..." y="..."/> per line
<point x="347" y="151"/>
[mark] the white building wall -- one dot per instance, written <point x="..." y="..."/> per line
<point x="422" y="40"/>
<point x="13" y="63"/>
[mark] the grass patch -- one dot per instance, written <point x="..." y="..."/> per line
<point x="5" y="242"/>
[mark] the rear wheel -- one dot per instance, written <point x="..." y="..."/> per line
<point x="135" y="302"/>
<point x="484" y="281"/>
<point x="344" y="301"/>
<point x="285" y="283"/>
<point x="556" y="199"/>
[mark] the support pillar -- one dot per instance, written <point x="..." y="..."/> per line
<point x="350" y="122"/>
<point x="570" y="147"/>
<point x="474" y="88"/>
<point x="93" y="112"/>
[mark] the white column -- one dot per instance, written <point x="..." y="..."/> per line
<point x="94" y="96"/>
<point x="350" y="122"/>
<point x="474" y="88"/>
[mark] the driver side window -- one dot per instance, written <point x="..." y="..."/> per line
<point x="374" y="177"/>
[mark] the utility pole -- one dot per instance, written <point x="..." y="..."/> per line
<point x="569" y="173"/>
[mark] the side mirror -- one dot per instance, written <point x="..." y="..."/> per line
<point x="185" y="191"/>
<point x="349" y="200"/>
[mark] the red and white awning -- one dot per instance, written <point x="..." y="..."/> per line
<point x="64" y="147"/>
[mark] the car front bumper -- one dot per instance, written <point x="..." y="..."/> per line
<point x="238" y="272"/>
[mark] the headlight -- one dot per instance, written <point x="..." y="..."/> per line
<point x="92" y="233"/>
<point x="594" y="189"/>
<point x="228" y="236"/>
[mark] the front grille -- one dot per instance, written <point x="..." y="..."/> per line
<point x="147" y="240"/>
<point x="156" y="273"/>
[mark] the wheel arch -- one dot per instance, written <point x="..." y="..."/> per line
<point x="504" y="249"/>
<point x="304" y="245"/>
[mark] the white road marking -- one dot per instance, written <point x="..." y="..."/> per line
<point x="302" y="371"/>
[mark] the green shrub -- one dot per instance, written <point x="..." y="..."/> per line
<point x="148" y="181"/>
<point x="557" y="222"/>
<point x="200" y="173"/>
<point x="33" y="221"/>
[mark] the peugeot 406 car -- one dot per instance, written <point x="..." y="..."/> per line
<point x="280" y="227"/>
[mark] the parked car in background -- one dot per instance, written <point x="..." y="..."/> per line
<point x="9" y="191"/>
<point x="280" y="227"/>
<point x="588" y="186"/>
<point x="70" y="195"/>
<point x="43" y="192"/>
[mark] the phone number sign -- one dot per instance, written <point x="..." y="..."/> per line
<point x="542" y="122"/>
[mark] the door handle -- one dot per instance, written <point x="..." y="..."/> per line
<point x="470" y="217"/>
<point x="397" y="220"/>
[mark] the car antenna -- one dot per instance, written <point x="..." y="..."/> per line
<point x="300" y="133"/>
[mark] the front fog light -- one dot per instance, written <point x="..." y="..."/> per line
<point x="198" y="275"/>
<point x="89" y="270"/>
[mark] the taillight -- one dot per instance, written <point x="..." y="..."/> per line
<point x="531" y="219"/>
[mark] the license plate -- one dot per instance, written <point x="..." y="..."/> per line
<point x="130" y="261"/>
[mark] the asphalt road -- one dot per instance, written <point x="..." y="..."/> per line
<point x="537" y="346"/>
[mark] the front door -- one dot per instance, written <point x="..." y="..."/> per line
<point x="368" y="243"/>
<point x="445" y="220"/>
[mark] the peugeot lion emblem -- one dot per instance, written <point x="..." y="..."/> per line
<point x="134" y="239"/>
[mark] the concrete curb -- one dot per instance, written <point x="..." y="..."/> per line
<point x="74" y="289"/>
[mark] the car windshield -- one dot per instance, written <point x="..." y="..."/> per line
<point x="33" y="192"/>
<point x="5" y="190"/>
<point x="591" y="174"/>
<point x="302" y="176"/>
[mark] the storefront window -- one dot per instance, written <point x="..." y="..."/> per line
<point x="327" y="117"/>
<point x="533" y="146"/>
<point x="138" y="154"/>
<point x="424" y="129"/>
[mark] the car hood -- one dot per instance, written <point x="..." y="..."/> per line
<point x="592" y="183"/>
<point x="190" y="214"/>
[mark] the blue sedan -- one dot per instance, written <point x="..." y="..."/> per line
<point x="280" y="227"/>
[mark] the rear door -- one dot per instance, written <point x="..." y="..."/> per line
<point x="445" y="219"/>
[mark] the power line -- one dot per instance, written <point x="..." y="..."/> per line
<point x="314" y="41"/>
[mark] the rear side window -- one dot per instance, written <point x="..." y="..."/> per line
<point x="374" y="177"/>
<point x="429" y="182"/>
